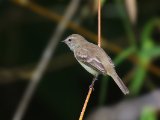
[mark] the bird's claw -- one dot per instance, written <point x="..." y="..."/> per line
<point x="92" y="85"/>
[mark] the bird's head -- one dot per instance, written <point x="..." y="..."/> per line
<point x="74" y="41"/>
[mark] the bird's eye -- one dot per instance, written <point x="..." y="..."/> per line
<point x="69" y="40"/>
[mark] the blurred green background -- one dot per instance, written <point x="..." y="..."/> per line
<point x="131" y="37"/>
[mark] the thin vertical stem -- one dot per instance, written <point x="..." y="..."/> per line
<point x="99" y="23"/>
<point x="99" y="44"/>
<point x="85" y="103"/>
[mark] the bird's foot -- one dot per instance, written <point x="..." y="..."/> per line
<point x="91" y="87"/>
<point x="92" y="84"/>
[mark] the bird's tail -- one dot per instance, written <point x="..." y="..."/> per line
<point x="120" y="83"/>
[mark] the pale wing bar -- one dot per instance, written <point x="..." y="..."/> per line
<point x="93" y="62"/>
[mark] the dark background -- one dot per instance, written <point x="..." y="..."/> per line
<point x="61" y="92"/>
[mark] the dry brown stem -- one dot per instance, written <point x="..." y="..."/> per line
<point x="99" y="44"/>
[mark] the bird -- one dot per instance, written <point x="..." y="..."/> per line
<point x="94" y="59"/>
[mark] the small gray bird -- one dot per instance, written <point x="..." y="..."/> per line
<point x="93" y="58"/>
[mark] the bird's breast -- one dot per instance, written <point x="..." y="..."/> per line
<point x="89" y="69"/>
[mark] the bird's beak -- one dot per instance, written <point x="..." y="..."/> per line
<point x="63" y="41"/>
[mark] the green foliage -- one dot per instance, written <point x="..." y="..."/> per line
<point x="148" y="113"/>
<point x="124" y="54"/>
<point x="148" y="51"/>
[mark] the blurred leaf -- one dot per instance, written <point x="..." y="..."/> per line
<point x="146" y="54"/>
<point x="155" y="52"/>
<point x="121" y="57"/>
<point x="148" y="113"/>
<point x="140" y="73"/>
<point x="126" y="22"/>
<point x="102" y="2"/>
<point x="94" y="5"/>
<point x="137" y="80"/>
<point x="131" y="6"/>
<point x="147" y="42"/>
<point x="147" y="31"/>
<point x="152" y="53"/>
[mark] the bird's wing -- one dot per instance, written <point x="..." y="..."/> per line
<point x="110" y="61"/>
<point x="85" y="57"/>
